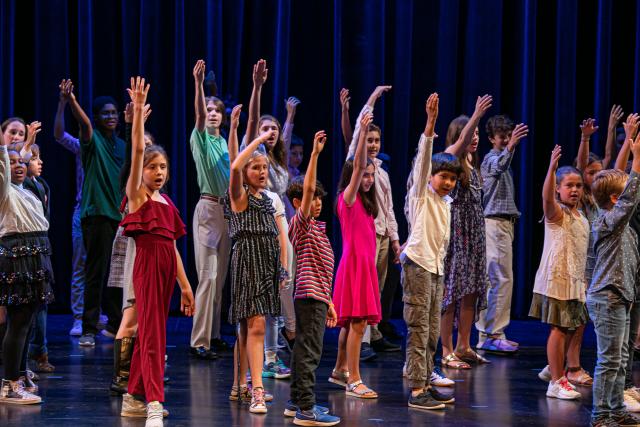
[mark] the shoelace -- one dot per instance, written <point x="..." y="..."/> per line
<point x="565" y="385"/>
<point x="257" y="396"/>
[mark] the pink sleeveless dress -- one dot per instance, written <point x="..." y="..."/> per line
<point x="356" y="294"/>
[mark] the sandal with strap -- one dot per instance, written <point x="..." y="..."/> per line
<point x="583" y="377"/>
<point x="472" y="357"/>
<point x="364" y="393"/>
<point x="452" y="361"/>
<point x="340" y="378"/>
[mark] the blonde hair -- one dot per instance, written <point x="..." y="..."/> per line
<point x="607" y="183"/>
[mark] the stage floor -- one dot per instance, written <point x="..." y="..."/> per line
<point x="505" y="393"/>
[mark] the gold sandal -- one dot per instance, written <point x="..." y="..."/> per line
<point x="366" y="392"/>
<point x="452" y="361"/>
<point x="472" y="357"/>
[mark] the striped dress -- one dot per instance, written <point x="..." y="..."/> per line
<point x="255" y="261"/>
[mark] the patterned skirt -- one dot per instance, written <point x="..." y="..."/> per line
<point x="123" y="254"/>
<point x="26" y="274"/>
<point x="254" y="278"/>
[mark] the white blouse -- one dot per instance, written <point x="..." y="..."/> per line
<point x="20" y="209"/>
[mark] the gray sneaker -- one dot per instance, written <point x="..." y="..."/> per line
<point x="154" y="414"/>
<point x="13" y="392"/>
<point x="87" y="340"/>
<point x="424" y="401"/>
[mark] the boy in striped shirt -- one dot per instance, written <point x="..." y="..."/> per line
<point x="312" y="298"/>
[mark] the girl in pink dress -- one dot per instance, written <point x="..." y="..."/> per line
<point x="356" y="293"/>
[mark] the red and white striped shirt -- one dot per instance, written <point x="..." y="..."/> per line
<point x="314" y="257"/>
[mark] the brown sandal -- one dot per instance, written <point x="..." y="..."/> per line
<point x="472" y="357"/>
<point x="583" y="377"/>
<point x="452" y="361"/>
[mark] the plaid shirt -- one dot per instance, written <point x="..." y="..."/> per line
<point x="498" y="188"/>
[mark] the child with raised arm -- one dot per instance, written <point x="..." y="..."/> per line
<point x="277" y="148"/>
<point x="500" y="215"/>
<point x="210" y="233"/>
<point x="612" y="292"/>
<point x="154" y="223"/>
<point x="560" y="287"/>
<point x="356" y="294"/>
<point x="387" y="238"/>
<point x="429" y="216"/>
<point x="25" y="272"/>
<point x="257" y="261"/>
<point x="312" y="296"/>
<point x="78" y="255"/>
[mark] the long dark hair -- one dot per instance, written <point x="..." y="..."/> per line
<point x="369" y="198"/>
<point x="276" y="154"/>
<point x="453" y="134"/>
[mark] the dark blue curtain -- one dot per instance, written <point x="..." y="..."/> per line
<point x="549" y="64"/>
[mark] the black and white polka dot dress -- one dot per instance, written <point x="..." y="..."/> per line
<point x="255" y="259"/>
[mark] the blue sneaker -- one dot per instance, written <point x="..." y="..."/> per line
<point x="315" y="418"/>
<point x="290" y="409"/>
<point x="366" y="353"/>
<point x="277" y="370"/>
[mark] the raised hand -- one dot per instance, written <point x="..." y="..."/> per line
<point x="635" y="147"/>
<point x="615" y="116"/>
<point x="483" y="103"/>
<point x="344" y="98"/>
<point x="292" y="104"/>
<point x="519" y="132"/>
<point x="198" y="71"/>
<point x="128" y="113"/>
<point x="235" y="116"/>
<point x="588" y="127"/>
<point x="432" y="114"/>
<point x="138" y="91"/>
<point x="319" y="141"/>
<point x="631" y="126"/>
<point x="33" y="129"/>
<point x="366" y="120"/>
<point x="260" y="72"/>
<point x="66" y="90"/>
<point x="556" y="153"/>
<point x="377" y="93"/>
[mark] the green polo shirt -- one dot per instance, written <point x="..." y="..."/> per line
<point x="102" y="159"/>
<point x="211" y="155"/>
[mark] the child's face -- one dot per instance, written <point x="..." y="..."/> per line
<point x="443" y="182"/>
<point x="35" y="166"/>
<point x="368" y="178"/>
<point x="316" y="207"/>
<point x="500" y="140"/>
<point x="267" y="126"/>
<point x="590" y="172"/>
<point x="295" y="156"/>
<point x="475" y="140"/>
<point x="14" y="132"/>
<point x="108" y="117"/>
<point x="154" y="174"/>
<point x="214" y="116"/>
<point x="570" y="190"/>
<point x="18" y="168"/>
<point x="373" y="143"/>
<point x="257" y="173"/>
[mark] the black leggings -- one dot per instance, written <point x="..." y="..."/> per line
<point x="19" y="320"/>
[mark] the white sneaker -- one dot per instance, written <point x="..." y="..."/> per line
<point x="631" y="400"/>
<point x="561" y="389"/>
<point x="545" y="374"/>
<point x="13" y="392"/>
<point x="154" y="414"/>
<point x="439" y="380"/>
<point x="76" y="329"/>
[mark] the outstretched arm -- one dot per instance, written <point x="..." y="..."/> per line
<point x="587" y="128"/>
<point x="33" y="129"/>
<point x="233" y="133"/>
<point x="287" y="130"/>
<point x="199" y="104"/>
<point x="630" y="130"/>
<point x="483" y="103"/>
<point x="367" y="109"/>
<point x="359" y="164"/>
<point x="345" y="123"/>
<point x="138" y="93"/>
<point x="86" y="130"/>
<point x="610" y="148"/>
<point x="260" y="73"/>
<point x="58" y="123"/>
<point x="550" y="206"/>
<point x="309" y="186"/>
